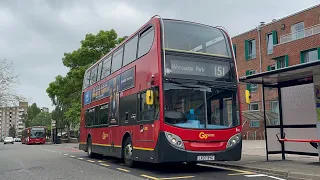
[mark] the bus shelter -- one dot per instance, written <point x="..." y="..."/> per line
<point x="296" y="127"/>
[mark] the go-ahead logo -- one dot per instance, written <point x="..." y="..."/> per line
<point x="203" y="135"/>
<point x="104" y="135"/>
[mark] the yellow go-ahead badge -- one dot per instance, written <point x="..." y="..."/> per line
<point x="203" y="135"/>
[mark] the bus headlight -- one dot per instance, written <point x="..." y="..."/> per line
<point x="234" y="140"/>
<point x="174" y="140"/>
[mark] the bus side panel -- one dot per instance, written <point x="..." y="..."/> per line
<point x="145" y="147"/>
<point x="114" y="140"/>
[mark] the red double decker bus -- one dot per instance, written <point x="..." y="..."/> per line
<point x="34" y="135"/>
<point x="168" y="93"/>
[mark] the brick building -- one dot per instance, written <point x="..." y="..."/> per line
<point x="281" y="43"/>
<point x="12" y="116"/>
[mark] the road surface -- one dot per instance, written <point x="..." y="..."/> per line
<point x="46" y="162"/>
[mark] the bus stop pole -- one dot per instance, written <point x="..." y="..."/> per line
<point x="265" y="121"/>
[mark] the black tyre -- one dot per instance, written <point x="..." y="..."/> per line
<point x="89" y="148"/>
<point x="128" y="153"/>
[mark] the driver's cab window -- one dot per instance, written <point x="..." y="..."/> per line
<point x="148" y="112"/>
<point x="186" y="102"/>
<point x="222" y="111"/>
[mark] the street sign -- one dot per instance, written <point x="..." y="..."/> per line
<point x="53" y="123"/>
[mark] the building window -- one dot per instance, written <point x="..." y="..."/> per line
<point x="311" y="55"/>
<point x="251" y="49"/>
<point x="253" y="87"/>
<point x="274" y="108"/>
<point x="280" y="62"/>
<point x="253" y="107"/>
<point x="269" y="43"/>
<point x="255" y="123"/>
<point x="273" y="67"/>
<point x="234" y="50"/>
<point x="229" y="108"/>
<point x="297" y="31"/>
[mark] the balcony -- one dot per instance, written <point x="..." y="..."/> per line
<point x="313" y="30"/>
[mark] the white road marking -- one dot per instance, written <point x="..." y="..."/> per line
<point x="256" y="175"/>
<point x="264" y="175"/>
<point x="225" y="168"/>
<point x="275" y="178"/>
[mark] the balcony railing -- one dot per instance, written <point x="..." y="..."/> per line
<point x="313" y="30"/>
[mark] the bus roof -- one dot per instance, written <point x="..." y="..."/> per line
<point x="137" y="31"/>
<point x="119" y="45"/>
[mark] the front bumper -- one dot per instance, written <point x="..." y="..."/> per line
<point x="167" y="153"/>
<point x="8" y="142"/>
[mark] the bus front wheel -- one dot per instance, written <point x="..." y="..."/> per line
<point x="127" y="153"/>
<point x="89" y="148"/>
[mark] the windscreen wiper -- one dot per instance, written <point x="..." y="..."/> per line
<point x="228" y="87"/>
<point x="179" y="83"/>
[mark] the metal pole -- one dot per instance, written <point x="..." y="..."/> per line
<point x="51" y="133"/>
<point x="265" y="121"/>
<point x="281" y="124"/>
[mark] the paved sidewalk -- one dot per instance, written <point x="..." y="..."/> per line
<point x="295" y="166"/>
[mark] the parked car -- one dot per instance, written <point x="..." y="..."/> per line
<point x="8" y="140"/>
<point x="17" y="140"/>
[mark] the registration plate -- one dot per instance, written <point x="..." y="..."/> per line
<point x="205" y="158"/>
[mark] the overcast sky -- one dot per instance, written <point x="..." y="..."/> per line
<point x="35" y="34"/>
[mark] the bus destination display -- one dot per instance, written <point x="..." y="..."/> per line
<point x="197" y="68"/>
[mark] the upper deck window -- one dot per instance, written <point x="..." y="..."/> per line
<point x="145" y="41"/>
<point x="86" y="80"/>
<point x="179" y="35"/>
<point x="94" y="74"/>
<point x="106" y="67"/>
<point x="130" y="51"/>
<point x="117" y="60"/>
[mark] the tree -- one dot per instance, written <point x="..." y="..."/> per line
<point x="8" y="95"/>
<point x="32" y="112"/>
<point x="42" y="119"/>
<point x="65" y="91"/>
<point x="12" y="132"/>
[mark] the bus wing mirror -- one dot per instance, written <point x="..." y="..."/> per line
<point x="149" y="97"/>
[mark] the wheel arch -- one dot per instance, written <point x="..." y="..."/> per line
<point x="125" y="136"/>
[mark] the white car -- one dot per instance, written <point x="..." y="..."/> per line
<point x="8" y="140"/>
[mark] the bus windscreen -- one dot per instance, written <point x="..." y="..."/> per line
<point x="37" y="133"/>
<point x="186" y="36"/>
<point x="200" y="108"/>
